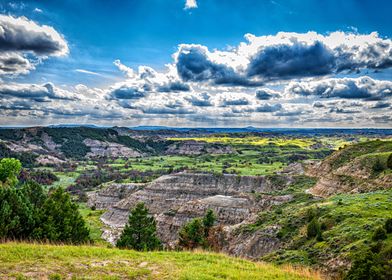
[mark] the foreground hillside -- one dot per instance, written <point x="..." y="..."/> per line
<point x="25" y="261"/>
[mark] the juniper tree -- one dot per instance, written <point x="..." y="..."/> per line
<point x="140" y="231"/>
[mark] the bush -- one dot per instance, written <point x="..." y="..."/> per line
<point x="140" y="232"/>
<point x="365" y="266"/>
<point x="314" y="229"/>
<point x="379" y="234"/>
<point x="388" y="225"/>
<point x="196" y="232"/>
<point x="192" y="234"/>
<point x="378" y="166"/>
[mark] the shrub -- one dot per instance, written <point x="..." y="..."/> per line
<point x="192" y="234"/>
<point x="388" y="225"/>
<point x="379" y="234"/>
<point x="140" y="232"/>
<point x="196" y="232"/>
<point x="378" y="166"/>
<point x="313" y="229"/>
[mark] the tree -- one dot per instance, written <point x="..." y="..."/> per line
<point x="140" y="232"/>
<point x="9" y="170"/>
<point x="60" y="220"/>
<point x="192" y="234"/>
<point x="208" y="221"/>
<point x="17" y="219"/>
<point x="195" y="233"/>
<point x="389" y="162"/>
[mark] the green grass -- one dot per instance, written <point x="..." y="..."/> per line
<point x="92" y="218"/>
<point x="349" y="222"/>
<point x="33" y="261"/>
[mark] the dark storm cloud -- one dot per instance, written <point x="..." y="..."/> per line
<point x="297" y="60"/>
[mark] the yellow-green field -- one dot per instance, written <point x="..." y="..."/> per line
<point x="35" y="261"/>
<point x="264" y="141"/>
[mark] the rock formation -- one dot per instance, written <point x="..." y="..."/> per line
<point x="176" y="199"/>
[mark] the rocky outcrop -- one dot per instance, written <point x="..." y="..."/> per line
<point x="197" y="148"/>
<point x="109" y="149"/>
<point x="175" y="199"/>
<point x="110" y="194"/>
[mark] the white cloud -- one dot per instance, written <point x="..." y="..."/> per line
<point x="190" y="4"/>
<point x="22" y="39"/>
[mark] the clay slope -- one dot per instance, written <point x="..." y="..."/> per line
<point x="357" y="168"/>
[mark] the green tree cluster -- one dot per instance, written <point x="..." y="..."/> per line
<point x="140" y="232"/>
<point x="195" y="233"/>
<point x="28" y="212"/>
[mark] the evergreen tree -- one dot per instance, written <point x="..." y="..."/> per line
<point x="9" y="170"/>
<point x="208" y="221"/>
<point x="192" y="234"/>
<point x="140" y="232"/>
<point x="16" y="214"/>
<point x="61" y="220"/>
<point x="195" y="233"/>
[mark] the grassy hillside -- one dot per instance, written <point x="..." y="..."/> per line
<point x="25" y="261"/>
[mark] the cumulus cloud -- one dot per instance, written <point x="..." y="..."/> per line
<point x="283" y="56"/>
<point x="266" y="94"/>
<point x="12" y="63"/>
<point x="348" y="88"/>
<point x="22" y="34"/>
<point x="199" y="100"/>
<point x="195" y="63"/>
<point x="145" y="80"/>
<point x="38" y="93"/>
<point x="21" y="38"/>
<point x="268" y="108"/>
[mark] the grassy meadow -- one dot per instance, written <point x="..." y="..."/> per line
<point x="40" y="261"/>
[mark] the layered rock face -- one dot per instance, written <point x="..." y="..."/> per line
<point x="176" y="199"/>
<point x="197" y="148"/>
<point x="111" y="194"/>
<point x="109" y="149"/>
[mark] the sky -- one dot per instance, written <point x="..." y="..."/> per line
<point x="196" y="63"/>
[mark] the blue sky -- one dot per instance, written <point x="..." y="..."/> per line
<point x="150" y="33"/>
